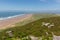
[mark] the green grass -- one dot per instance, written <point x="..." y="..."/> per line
<point x="36" y="29"/>
<point x="35" y="17"/>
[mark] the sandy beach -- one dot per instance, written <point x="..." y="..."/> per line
<point x="10" y="22"/>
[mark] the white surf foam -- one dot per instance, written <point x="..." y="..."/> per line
<point x="4" y="18"/>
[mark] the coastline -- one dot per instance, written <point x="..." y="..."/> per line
<point x="4" y="18"/>
<point x="7" y="23"/>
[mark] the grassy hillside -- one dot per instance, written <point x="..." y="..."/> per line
<point x="35" y="29"/>
<point x="35" y="17"/>
<point x="35" y="26"/>
<point x="43" y="15"/>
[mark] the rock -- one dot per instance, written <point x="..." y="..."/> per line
<point x="10" y="33"/>
<point x="45" y="24"/>
<point x="51" y="25"/>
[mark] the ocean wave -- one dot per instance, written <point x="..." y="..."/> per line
<point x="4" y="18"/>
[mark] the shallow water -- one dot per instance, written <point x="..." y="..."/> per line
<point x="7" y="15"/>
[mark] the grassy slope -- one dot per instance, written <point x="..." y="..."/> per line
<point x="36" y="29"/>
<point x="34" y="18"/>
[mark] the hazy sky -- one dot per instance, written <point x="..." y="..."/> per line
<point x="29" y="5"/>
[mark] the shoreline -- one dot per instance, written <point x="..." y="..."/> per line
<point x="8" y="23"/>
<point x="4" y="18"/>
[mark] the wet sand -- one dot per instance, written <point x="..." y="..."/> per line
<point x="10" y="22"/>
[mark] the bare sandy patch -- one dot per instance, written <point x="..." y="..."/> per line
<point x="10" y="22"/>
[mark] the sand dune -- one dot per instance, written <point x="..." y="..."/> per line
<point x="10" y="22"/>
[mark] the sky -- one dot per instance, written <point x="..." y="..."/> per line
<point x="29" y="5"/>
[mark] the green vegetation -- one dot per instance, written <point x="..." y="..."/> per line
<point x="35" y="17"/>
<point x="34" y="29"/>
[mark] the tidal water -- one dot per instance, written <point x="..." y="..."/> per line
<point x="6" y="15"/>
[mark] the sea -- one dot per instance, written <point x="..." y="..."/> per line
<point x="8" y="15"/>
